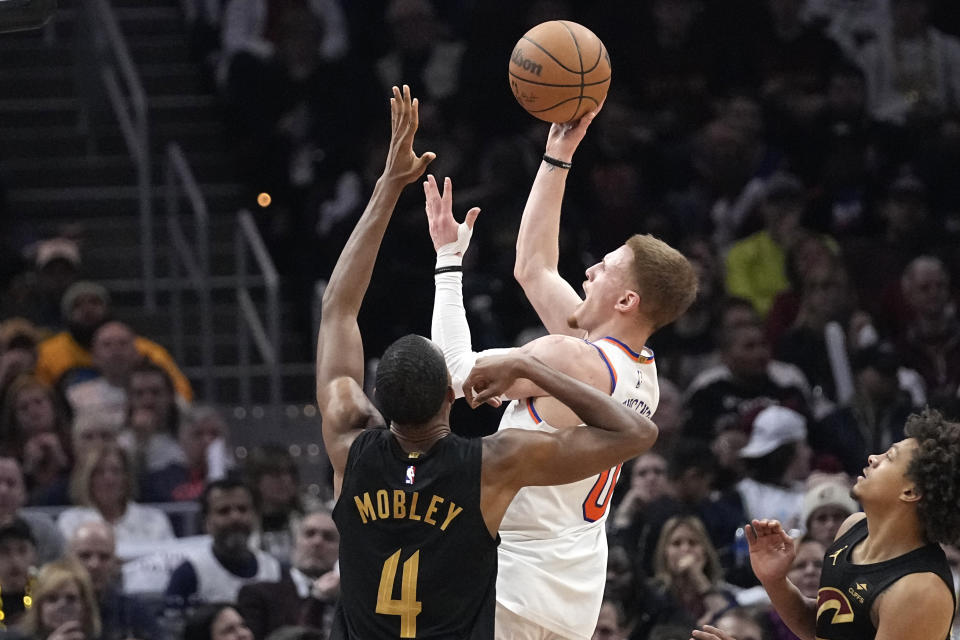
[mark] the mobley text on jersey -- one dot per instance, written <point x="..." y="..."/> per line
<point x="393" y="504"/>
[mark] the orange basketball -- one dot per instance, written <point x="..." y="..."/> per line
<point x="559" y="70"/>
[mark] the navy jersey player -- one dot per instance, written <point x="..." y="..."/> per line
<point x="885" y="576"/>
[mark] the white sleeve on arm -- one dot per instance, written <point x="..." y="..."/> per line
<point x="451" y="331"/>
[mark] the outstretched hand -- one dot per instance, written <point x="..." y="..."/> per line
<point x="444" y="229"/>
<point x="565" y="137"/>
<point x="402" y="162"/>
<point x="772" y="551"/>
<point x="710" y="633"/>
<point x="491" y="377"/>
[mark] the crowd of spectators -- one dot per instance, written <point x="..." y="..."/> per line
<point x="803" y="154"/>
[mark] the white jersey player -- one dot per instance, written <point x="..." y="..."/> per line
<point x="553" y="549"/>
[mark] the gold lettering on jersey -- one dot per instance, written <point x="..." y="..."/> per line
<point x="399" y="504"/>
<point x="393" y="505"/>
<point x="383" y="504"/>
<point x="432" y="509"/>
<point x="452" y="513"/>
<point x="365" y="508"/>
<point x="856" y="596"/>
<point x="413" y="506"/>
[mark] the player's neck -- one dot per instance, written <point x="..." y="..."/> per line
<point x="421" y="438"/>
<point x="892" y="534"/>
<point x="630" y="334"/>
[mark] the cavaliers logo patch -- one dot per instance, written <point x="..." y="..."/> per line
<point x="830" y="599"/>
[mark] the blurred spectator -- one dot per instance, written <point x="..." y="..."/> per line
<point x="46" y="537"/>
<point x="251" y="25"/>
<point x="202" y="438"/>
<point x="424" y="53"/>
<point x="794" y="60"/>
<point x="610" y="622"/>
<point x="756" y="265"/>
<point x="687" y="587"/>
<point x="911" y="67"/>
<point x="809" y="251"/>
<point x="216" y="573"/>
<point x="931" y="341"/>
<point x="103" y="486"/>
<point x="805" y="575"/>
<point x="625" y="586"/>
<point x="286" y="113"/>
<point x="850" y="24"/>
<point x="306" y="593"/>
<point x="826" y="504"/>
<point x="36" y="294"/>
<point x="727" y="396"/>
<point x="153" y="421"/>
<point x="33" y="430"/>
<point x="875" y="416"/>
<point x="216" y="622"/>
<point x="632" y="524"/>
<point x="64" y="606"/>
<point x="93" y="545"/>
<point x="84" y="307"/>
<point x="777" y="462"/>
<point x="18" y="557"/>
<point x="273" y="475"/>
<point x="826" y="299"/>
<point x="741" y="624"/>
<point x="114" y="356"/>
<point x="908" y="230"/>
<point x="18" y="350"/>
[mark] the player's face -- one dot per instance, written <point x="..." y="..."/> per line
<point x="605" y="285"/>
<point x="885" y="476"/>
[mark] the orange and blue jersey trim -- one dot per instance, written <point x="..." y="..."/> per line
<point x="606" y="361"/>
<point x="640" y="358"/>
<point x="533" y="411"/>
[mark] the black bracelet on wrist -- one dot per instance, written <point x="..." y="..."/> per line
<point x="557" y="163"/>
<point x="450" y="269"/>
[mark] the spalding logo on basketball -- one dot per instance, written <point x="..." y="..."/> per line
<point x="559" y="70"/>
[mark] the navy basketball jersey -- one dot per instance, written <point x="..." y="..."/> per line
<point x="848" y="591"/>
<point x="416" y="558"/>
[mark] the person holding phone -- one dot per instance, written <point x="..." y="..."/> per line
<point x="64" y="607"/>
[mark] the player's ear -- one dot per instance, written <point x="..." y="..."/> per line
<point x="910" y="493"/>
<point x="629" y="300"/>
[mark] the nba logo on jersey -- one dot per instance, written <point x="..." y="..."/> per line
<point x="411" y="473"/>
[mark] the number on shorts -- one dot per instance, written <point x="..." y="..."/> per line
<point x="599" y="497"/>
<point x="407" y="607"/>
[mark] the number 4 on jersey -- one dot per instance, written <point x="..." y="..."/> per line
<point x="407" y="607"/>
<point x="599" y="497"/>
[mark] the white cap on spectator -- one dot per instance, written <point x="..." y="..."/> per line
<point x="57" y="249"/>
<point x="774" y="427"/>
<point x="830" y="493"/>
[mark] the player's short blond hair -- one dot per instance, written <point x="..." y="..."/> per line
<point x="666" y="280"/>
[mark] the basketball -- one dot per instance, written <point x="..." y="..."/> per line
<point x="559" y="70"/>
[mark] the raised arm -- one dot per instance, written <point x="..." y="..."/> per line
<point x="538" y="243"/>
<point x="772" y="552"/>
<point x="340" y="365"/>
<point x="613" y="433"/>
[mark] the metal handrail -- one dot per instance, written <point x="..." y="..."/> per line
<point x="129" y="103"/>
<point x="249" y="325"/>
<point x="195" y="259"/>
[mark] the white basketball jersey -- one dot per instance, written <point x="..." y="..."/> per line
<point x="553" y="549"/>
